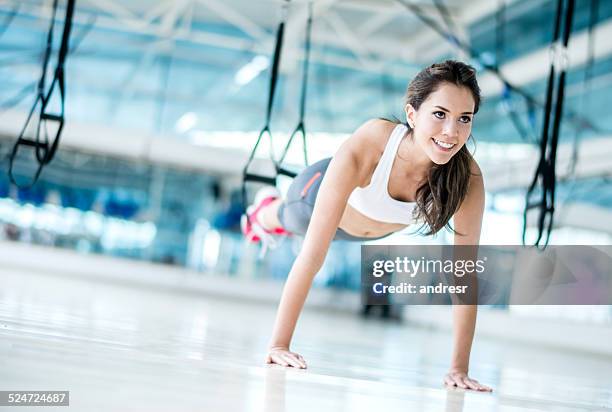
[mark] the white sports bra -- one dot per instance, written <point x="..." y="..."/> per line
<point x="374" y="200"/>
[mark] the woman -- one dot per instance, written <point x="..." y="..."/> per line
<point x="385" y="177"/>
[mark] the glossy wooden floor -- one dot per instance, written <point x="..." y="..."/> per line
<point x="120" y="348"/>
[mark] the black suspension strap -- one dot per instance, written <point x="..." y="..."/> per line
<point x="43" y="149"/>
<point x="300" y="126"/>
<point x="254" y="177"/>
<point x="76" y="40"/>
<point x="545" y="173"/>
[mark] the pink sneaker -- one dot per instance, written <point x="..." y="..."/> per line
<point x="252" y="229"/>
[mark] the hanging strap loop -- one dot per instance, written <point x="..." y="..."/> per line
<point x="44" y="150"/>
<point x="246" y="174"/>
<point x="545" y="171"/>
<point x="300" y="128"/>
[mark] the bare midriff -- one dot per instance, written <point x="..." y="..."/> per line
<point x="357" y="224"/>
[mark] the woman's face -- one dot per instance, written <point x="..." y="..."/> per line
<point x="443" y="123"/>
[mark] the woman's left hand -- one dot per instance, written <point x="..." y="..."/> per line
<point x="462" y="380"/>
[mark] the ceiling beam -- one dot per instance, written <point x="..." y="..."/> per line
<point x="427" y="46"/>
<point x="235" y="18"/>
<point x="205" y="38"/>
<point x="386" y="6"/>
<point x="174" y="14"/>
<point x="375" y="23"/>
<point x="113" y="8"/>
<point x="352" y="41"/>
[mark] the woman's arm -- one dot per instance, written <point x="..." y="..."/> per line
<point x="467" y="223"/>
<point x="342" y="176"/>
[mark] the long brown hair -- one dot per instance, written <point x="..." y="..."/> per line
<point x="441" y="196"/>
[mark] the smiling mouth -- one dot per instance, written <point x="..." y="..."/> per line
<point x="443" y="145"/>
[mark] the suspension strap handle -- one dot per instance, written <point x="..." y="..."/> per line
<point x="43" y="151"/>
<point x="300" y="128"/>
<point x="254" y="177"/>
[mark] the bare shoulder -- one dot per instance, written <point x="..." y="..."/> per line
<point x="373" y="134"/>
<point x="476" y="173"/>
<point x="367" y="144"/>
<point x="476" y="185"/>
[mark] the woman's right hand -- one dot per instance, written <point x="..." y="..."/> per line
<point x="284" y="357"/>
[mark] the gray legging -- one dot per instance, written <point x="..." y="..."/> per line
<point x="295" y="212"/>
